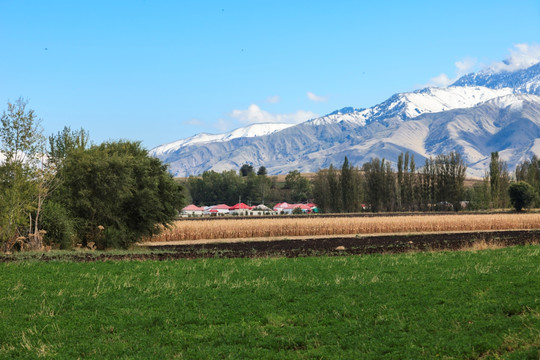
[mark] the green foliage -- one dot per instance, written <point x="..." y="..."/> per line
<point x="65" y="142"/>
<point x="21" y="176"/>
<point x="529" y="171"/>
<point x="262" y="171"/>
<point x="499" y="180"/>
<point x="447" y="305"/>
<point x="58" y="224"/>
<point x="246" y="169"/>
<point x="522" y="195"/>
<point x="228" y="187"/>
<point x="407" y="187"/>
<point x="478" y="196"/>
<point x="117" y="186"/>
<point x="442" y="182"/>
<point x="215" y="188"/>
<point x="339" y="191"/>
<point x="300" y="186"/>
<point x="297" y="211"/>
<point x="380" y="185"/>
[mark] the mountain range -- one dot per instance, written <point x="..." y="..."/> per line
<point x="476" y="115"/>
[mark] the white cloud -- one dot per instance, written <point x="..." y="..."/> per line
<point x="441" y="80"/>
<point x="521" y="57"/>
<point x="273" y="99"/>
<point x="254" y="114"/>
<point x="465" y="66"/>
<point x="311" y="96"/>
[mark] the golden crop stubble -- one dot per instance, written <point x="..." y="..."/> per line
<point x="284" y="227"/>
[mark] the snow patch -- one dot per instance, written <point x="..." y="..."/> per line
<point x="413" y="104"/>
<point x="514" y="101"/>
<point x="244" y="132"/>
<point x="535" y="148"/>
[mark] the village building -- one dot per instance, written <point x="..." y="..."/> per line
<point x="262" y="209"/>
<point x="285" y="208"/>
<point x="220" y="209"/>
<point x="240" y="209"/>
<point x="192" y="210"/>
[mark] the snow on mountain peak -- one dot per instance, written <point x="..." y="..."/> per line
<point x="254" y="130"/>
<point x="521" y="81"/>
<point x="433" y="100"/>
<point x="513" y="101"/>
<point x="412" y="104"/>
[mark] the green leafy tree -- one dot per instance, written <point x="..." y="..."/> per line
<point x="300" y="186"/>
<point x="351" y="187"/>
<point x="499" y="180"/>
<point x="334" y="190"/>
<point x="380" y="185"/>
<point x="262" y="171"/>
<point x="263" y="185"/>
<point x="65" y="142"/>
<point x="321" y="193"/>
<point x="348" y="188"/>
<point x="521" y="195"/>
<point x="246" y="169"/>
<point x="24" y="176"/>
<point x="117" y="194"/>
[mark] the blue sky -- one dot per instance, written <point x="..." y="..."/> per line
<point x="158" y="71"/>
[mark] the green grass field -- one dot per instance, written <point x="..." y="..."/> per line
<point x="448" y="305"/>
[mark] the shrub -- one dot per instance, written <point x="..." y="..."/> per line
<point x="521" y="194"/>
<point x="118" y="186"/>
<point x="60" y="228"/>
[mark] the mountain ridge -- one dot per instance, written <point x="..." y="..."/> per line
<point x="425" y="122"/>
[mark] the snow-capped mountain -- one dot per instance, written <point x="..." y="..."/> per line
<point x="478" y="114"/>
<point x="253" y="130"/>
<point x="523" y="81"/>
<point x="410" y="105"/>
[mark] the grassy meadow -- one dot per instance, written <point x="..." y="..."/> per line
<point x="315" y="226"/>
<point x="449" y="305"/>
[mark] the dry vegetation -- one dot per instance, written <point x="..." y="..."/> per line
<point x="250" y="228"/>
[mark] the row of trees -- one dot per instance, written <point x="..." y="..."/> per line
<point x="437" y="185"/>
<point x="68" y="191"/>
<point x="230" y="187"/>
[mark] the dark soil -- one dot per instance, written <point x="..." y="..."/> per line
<point x="305" y="247"/>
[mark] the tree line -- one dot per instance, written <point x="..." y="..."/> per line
<point x="376" y="186"/>
<point x="231" y="187"/>
<point x="63" y="190"/>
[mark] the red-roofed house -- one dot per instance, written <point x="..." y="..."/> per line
<point x="281" y="207"/>
<point x="192" y="210"/>
<point x="217" y="209"/>
<point x="288" y="208"/>
<point x="240" y="209"/>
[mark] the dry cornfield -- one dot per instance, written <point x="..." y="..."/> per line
<point x="267" y="228"/>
